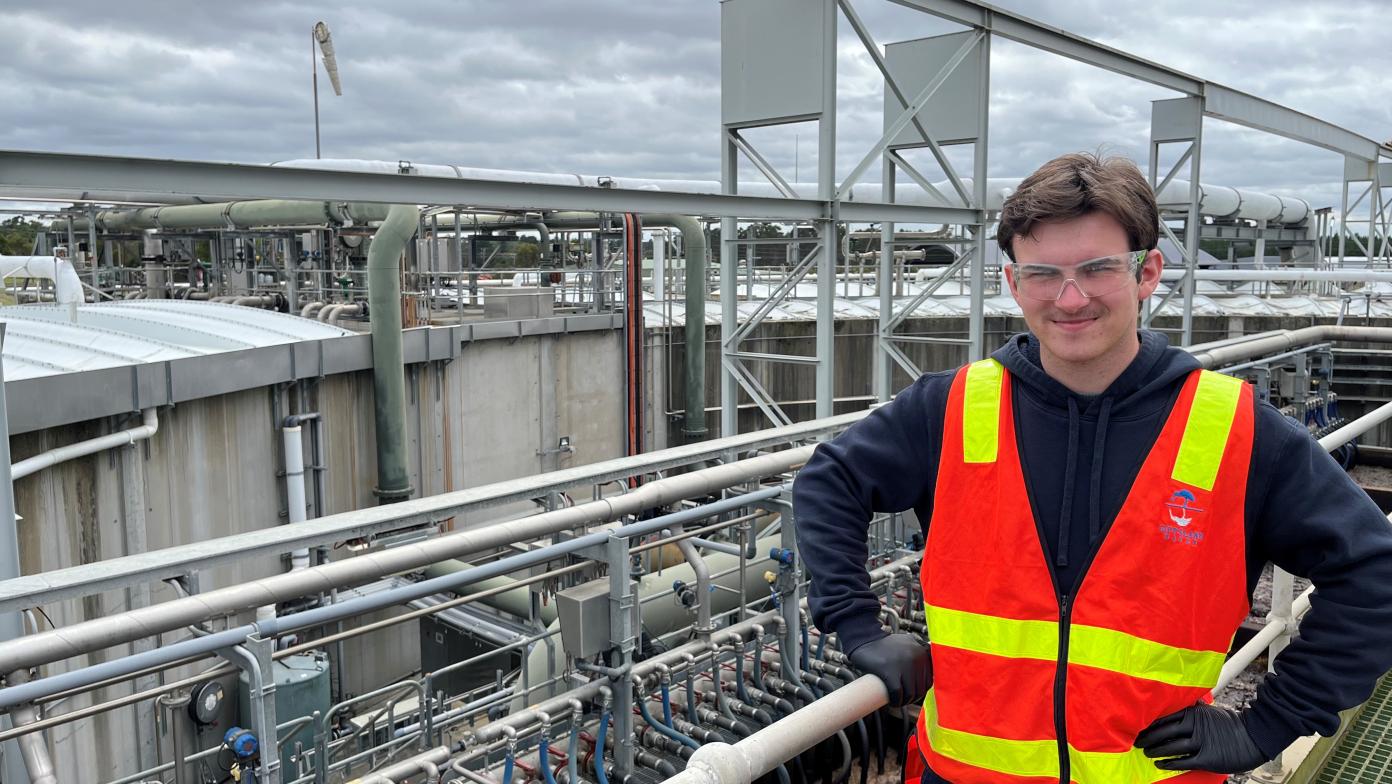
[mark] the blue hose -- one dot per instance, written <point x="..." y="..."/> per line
<point x="684" y="740"/>
<point x="572" y="750"/>
<point x="599" y="748"/>
<point x="667" y="705"/>
<point x="806" y="641"/>
<point x="544" y="760"/>
<point x="691" y="696"/>
<point x="821" y="645"/>
<point x="507" y="768"/>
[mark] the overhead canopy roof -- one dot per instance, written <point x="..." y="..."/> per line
<point x="40" y="340"/>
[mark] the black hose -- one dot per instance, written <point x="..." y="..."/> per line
<point x="650" y="760"/>
<point x="879" y="743"/>
<point x="864" y="751"/>
<point x="844" y="773"/>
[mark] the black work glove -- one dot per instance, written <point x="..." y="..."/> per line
<point x="1201" y="737"/>
<point x="902" y="662"/>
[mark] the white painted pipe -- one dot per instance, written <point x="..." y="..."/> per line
<point x="765" y="750"/>
<point x="1357" y="427"/>
<point x="67" y="285"/>
<point x="1284" y="275"/>
<point x="1258" y="644"/>
<point x="62" y="454"/>
<point x="295" y="489"/>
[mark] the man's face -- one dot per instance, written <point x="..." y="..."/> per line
<point x="1075" y="329"/>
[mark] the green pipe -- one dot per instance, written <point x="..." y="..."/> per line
<point x="388" y="372"/>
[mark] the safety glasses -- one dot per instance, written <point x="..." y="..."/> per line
<point x="1093" y="277"/>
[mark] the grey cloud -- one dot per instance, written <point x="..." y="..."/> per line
<point x="615" y="87"/>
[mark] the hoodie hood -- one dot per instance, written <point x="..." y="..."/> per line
<point x="1147" y="384"/>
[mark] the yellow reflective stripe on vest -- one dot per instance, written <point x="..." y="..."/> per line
<point x="1012" y="757"/>
<point x="1038" y="758"/>
<point x="991" y="635"/>
<point x="1089" y="646"/>
<point x="1102" y="767"/>
<point x="981" y="412"/>
<point x="1108" y="649"/>
<point x="1206" y="431"/>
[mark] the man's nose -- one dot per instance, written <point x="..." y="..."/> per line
<point x="1072" y="296"/>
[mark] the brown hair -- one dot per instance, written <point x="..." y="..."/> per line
<point x="1076" y="184"/>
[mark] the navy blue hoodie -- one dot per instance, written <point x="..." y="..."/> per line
<point x="1080" y="454"/>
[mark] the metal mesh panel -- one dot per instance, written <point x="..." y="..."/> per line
<point x="1364" y="754"/>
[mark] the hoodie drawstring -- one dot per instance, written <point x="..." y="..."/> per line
<point x="1099" y="445"/>
<point x="1070" y="460"/>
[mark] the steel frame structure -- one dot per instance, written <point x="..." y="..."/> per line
<point x="1176" y="121"/>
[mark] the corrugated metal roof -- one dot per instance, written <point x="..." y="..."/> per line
<point x="41" y="341"/>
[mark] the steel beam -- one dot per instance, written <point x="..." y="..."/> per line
<point x="1221" y="102"/>
<point x="1248" y="110"/>
<point x="234" y="181"/>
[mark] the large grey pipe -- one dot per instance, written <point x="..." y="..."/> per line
<point x="388" y="373"/>
<point x="238" y="214"/>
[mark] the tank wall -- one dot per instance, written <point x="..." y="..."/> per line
<point x="214" y="469"/>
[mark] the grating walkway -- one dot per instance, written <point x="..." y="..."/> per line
<point x="1364" y="754"/>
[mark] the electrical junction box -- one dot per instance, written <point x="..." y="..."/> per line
<point x="584" y="615"/>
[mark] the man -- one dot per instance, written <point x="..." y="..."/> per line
<point x="1097" y="512"/>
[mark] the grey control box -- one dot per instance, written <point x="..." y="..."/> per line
<point x="584" y="615"/>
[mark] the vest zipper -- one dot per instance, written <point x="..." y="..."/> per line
<point x="1060" y="685"/>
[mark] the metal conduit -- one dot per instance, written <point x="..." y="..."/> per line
<point x="98" y="633"/>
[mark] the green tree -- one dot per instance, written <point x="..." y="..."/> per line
<point x="17" y="236"/>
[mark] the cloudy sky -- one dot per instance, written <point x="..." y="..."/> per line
<point x="630" y="88"/>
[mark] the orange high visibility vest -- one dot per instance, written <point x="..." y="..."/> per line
<point x="1030" y="692"/>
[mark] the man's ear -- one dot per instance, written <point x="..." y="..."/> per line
<point x="1150" y="272"/>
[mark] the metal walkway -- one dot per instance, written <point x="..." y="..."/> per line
<point x="1362" y="751"/>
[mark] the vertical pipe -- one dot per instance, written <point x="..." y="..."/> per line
<point x="174" y="705"/>
<point x="826" y="191"/>
<point x="132" y="463"/>
<point x="694" y="248"/>
<point x="388" y="377"/>
<point x="1193" y="224"/>
<point x="884" y="365"/>
<point x="976" y="331"/>
<point x="623" y="635"/>
<point x="295" y="502"/>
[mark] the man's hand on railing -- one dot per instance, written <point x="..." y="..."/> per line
<point x="902" y="662"/>
<point x="1201" y="737"/>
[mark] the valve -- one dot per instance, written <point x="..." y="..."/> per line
<point x="686" y="594"/>
<point x="244" y="747"/>
<point x="783" y="556"/>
